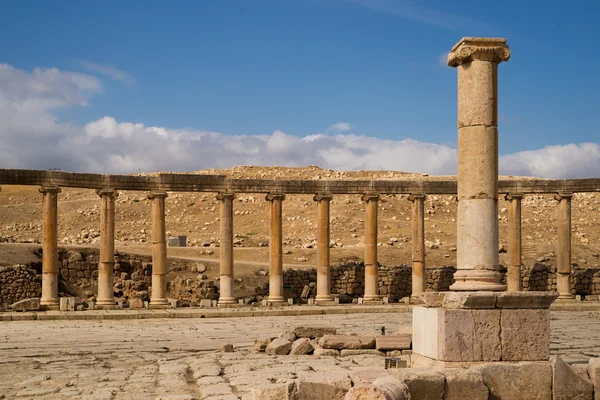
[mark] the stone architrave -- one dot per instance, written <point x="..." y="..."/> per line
<point x="50" y="264"/>
<point x="159" y="251"/>
<point x="276" y="249"/>
<point x="514" y="253"/>
<point x="563" y="249"/>
<point x="226" y="249"/>
<point x="323" y="257"/>
<point x="418" y="244"/>
<point x="107" y="248"/>
<point x="371" y="275"/>
<point x="477" y="62"/>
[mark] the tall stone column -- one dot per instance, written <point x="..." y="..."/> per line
<point x="514" y="253"/>
<point x="107" y="248"/>
<point x="276" y="249"/>
<point x="477" y="60"/>
<point x="323" y="268"/>
<point x="371" y="276"/>
<point x="50" y="263"/>
<point x="563" y="249"/>
<point x="418" y="243"/>
<point x="159" y="251"/>
<point x="226" y="249"/>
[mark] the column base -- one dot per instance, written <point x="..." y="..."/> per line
<point x="566" y="298"/>
<point x="227" y="300"/>
<point x="468" y="280"/>
<point x="159" y="303"/>
<point x="50" y="304"/>
<point x="277" y="300"/>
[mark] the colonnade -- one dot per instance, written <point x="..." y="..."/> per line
<point x="50" y="269"/>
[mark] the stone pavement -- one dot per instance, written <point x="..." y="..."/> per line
<point x="179" y="358"/>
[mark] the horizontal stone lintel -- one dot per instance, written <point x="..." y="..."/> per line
<point x="487" y="300"/>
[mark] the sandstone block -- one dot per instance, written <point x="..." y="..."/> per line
<point x="525" y="335"/>
<point x="279" y="346"/>
<point x="26" y="305"/>
<point x="422" y="383"/>
<point x="330" y="386"/>
<point x="347" y="342"/>
<point x="567" y="384"/>
<point x="301" y="346"/>
<point x="470" y="300"/>
<point x="517" y="381"/>
<point x="326" y="352"/>
<point x="396" y="342"/>
<point x="594" y="374"/>
<point x="288" y="335"/>
<point x="525" y="300"/>
<point x="261" y="344"/>
<point x="386" y="388"/>
<point x="226" y="348"/>
<point x="468" y="335"/>
<point x="283" y="391"/>
<point x="314" y="332"/>
<point x="360" y="352"/>
<point x="464" y="384"/>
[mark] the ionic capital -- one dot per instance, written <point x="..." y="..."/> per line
<point x="513" y="196"/>
<point x="222" y="196"/>
<point x="560" y="196"/>
<point x="275" y="196"/>
<point x="419" y="196"/>
<point x="50" y="189"/>
<point x="367" y="197"/>
<point x="112" y="193"/>
<point x="323" y="197"/>
<point x="157" y="195"/>
<point x="476" y="48"/>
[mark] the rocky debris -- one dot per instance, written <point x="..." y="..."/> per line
<point x="339" y="342"/>
<point x="326" y="352"/>
<point x="261" y="344"/>
<point x="567" y="384"/>
<point x="19" y="282"/>
<point x="226" y="348"/>
<point x="279" y="346"/>
<point x="288" y="335"/>
<point x="301" y="346"/>
<point x="314" y="332"/>
<point x="26" y="305"/>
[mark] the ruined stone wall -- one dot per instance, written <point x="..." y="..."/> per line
<point x="19" y="282"/>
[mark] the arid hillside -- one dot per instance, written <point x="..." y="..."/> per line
<point x="196" y="215"/>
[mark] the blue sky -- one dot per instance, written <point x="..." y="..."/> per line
<point x="255" y="67"/>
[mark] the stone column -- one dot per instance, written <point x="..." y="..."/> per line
<point x="50" y="263"/>
<point x="477" y="60"/>
<point x="514" y="253"/>
<point x="418" y="243"/>
<point x="371" y="276"/>
<point x="226" y="249"/>
<point x="107" y="248"/>
<point x="563" y="250"/>
<point x="323" y="269"/>
<point x="276" y="249"/>
<point x="159" y="251"/>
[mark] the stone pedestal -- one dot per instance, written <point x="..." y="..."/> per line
<point x="107" y="249"/>
<point x="226" y="250"/>
<point x="49" y="299"/>
<point x="418" y="244"/>
<point x="371" y="275"/>
<point x="159" y="252"/>
<point x="276" y="251"/>
<point x="323" y="267"/>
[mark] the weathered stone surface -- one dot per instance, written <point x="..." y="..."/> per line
<point x="422" y="383"/>
<point x="396" y="342"/>
<point x="288" y="335"/>
<point x="525" y="335"/>
<point x="360" y="352"/>
<point x="525" y="300"/>
<point x="261" y="344"/>
<point x="386" y="388"/>
<point x="567" y="384"/>
<point x="347" y="342"/>
<point x="281" y="391"/>
<point x="430" y="299"/>
<point x="279" y="346"/>
<point x="301" y="346"/>
<point x="517" y="381"/>
<point x="470" y="300"/>
<point x="469" y="335"/>
<point x="226" y="348"/>
<point x="462" y="384"/>
<point x="330" y="385"/>
<point x="314" y="332"/>
<point x="367" y="376"/>
<point x="593" y="370"/>
<point x="26" y="305"/>
<point x="326" y="352"/>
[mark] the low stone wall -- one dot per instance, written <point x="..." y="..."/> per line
<point x="19" y="282"/>
<point x="542" y="277"/>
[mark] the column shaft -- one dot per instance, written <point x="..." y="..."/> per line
<point x="514" y="253"/>
<point x="276" y="249"/>
<point x="323" y="260"/>
<point x="159" y="251"/>
<point x="50" y="265"/>
<point x="226" y="249"/>
<point x="418" y="243"/>
<point x="563" y="249"/>
<point x="371" y="275"/>
<point x="107" y="248"/>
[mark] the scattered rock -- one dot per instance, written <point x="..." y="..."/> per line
<point x="26" y="305"/>
<point x="339" y="342"/>
<point x="314" y="332"/>
<point x="301" y="346"/>
<point x="226" y="348"/>
<point x="279" y="346"/>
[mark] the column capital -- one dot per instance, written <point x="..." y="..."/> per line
<point x="221" y="196"/>
<point x="478" y="48"/>
<point x="367" y="197"/>
<point x="560" y="196"/>
<point x="107" y="192"/>
<point x="50" y="189"/>
<point x="418" y="196"/>
<point x="513" y="196"/>
<point x="275" y="196"/>
<point x="157" y="195"/>
<point x="322" y="197"/>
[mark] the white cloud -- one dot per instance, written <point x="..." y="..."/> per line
<point x="109" y="71"/>
<point x="31" y="137"/>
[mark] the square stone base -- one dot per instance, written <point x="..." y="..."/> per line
<point x="472" y="327"/>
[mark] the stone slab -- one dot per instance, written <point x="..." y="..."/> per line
<point x="395" y="342"/>
<point x="525" y="300"/>
<point x="314" y="332"/>
<point x="593" y="370"/>
<point x="469" y="300"/>
<point x="525" y="335"/>
<point x="361" y="352"/>
<point x="339" y="342"/>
